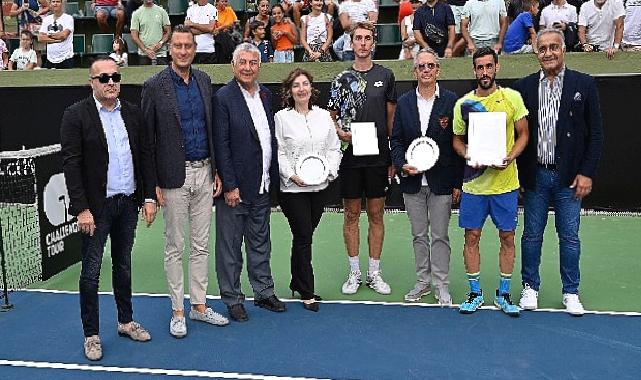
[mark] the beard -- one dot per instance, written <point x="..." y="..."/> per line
<point x="489" y="85"/>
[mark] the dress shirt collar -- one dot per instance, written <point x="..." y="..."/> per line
<point x="246" y="93"/>
<point x="437" y="94"/>
<point x="178" y="79"/>
<point x="561" y="75"/>
<point x="99" y="106"/>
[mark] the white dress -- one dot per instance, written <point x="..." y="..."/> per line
<point x="408" y="24"/>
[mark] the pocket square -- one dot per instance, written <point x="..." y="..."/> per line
<point x="577" y="97"/>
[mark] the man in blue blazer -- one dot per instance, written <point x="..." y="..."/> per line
<point x="428" y="195"/>
<point x="559" y="164"/>
<point x="246" y="157"/>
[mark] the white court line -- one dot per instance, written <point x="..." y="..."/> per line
<point x="150" y="371"/>
<point x="350" y="302"/>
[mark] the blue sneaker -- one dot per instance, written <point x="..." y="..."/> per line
<point x="474" y="301"/>
<point x="504" y="303"/>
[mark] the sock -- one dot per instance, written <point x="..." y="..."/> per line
<point x="374" y="265"/>
<point x="354" y="266"/>
<point x="475" y="284"/>
<point x="504" y="284"/>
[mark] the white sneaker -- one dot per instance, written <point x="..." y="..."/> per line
<point x="376" y="283"/>
<point x="208" y="316"/>
<point x="353" y="282"/>
<point x="442" y="294"/>
<point x="178" y="327"/>
<point x="529" y="298"/>
<point x="572" y="304"/>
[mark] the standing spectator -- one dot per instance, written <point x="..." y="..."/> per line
<point x="521" y="29"/>
<point x="258" y="38"/>
<point x="409" y="46"/>
<point x="305" y="7"/>
<point x="351" y="12"/>
<point x="458" y="7"/>
<point x="201" y="18"/>
<point x="24" y="57"/>
<point x="185" y="177"/>
<point x="366" y="92"/>
<point x="557" y="171"/>
<point x="434" y="27"/>
<point x="490" y="190"/>
<point x="561" y="15"/>
<point x="601" y="26"/>
<point x="283" y="36"/>
<point x="4" y="54"/>
<point x="225" y="44"/>
<point x="109" y="8"/>
<point x="57" y="32"/>
<point x="150" y="31"/>
<point x="405" y="8"/>
<point x="247" y="158"/>
<point x="29" y="14"/>
<point x="264" y="17"/>
<point x="484" y="24"/>
<point x="302" y="128"/>
<point x="316" y="34"/>
<point x="428" y="195"/>
<point x="632" y="26"/>
<point x="119" y="53"/>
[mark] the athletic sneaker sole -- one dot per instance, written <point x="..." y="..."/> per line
<point x="512" y="314"/>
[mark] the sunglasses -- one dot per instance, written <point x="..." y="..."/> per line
<point x="104" y="77"/>
<point x="427" y="66"/>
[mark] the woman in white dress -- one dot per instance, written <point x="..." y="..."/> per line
<point x="306" y="140"/>
<point x="409" y="46"/>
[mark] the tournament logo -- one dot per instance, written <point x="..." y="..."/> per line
<point x="56" y="200"/>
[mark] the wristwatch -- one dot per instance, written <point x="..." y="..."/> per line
<point x="617" y="46"/>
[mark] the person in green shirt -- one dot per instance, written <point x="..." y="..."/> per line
<point x="150" y="31"/>
<point x="490" y="190"/>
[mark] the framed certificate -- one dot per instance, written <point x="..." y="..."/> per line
<point x="486" y="138"/>
<point x="364" y="139"/>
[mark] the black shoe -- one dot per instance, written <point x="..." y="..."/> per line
<point x="315" y="296"/>
<point x="237" y="312"/>
<point x="313" y="306"/>
<point x="271" y="303"/>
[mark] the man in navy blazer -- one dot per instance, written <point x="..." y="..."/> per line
<point x="559" y="164"/>
<point x="246" y="157"/>
<point x="428" y="195"/>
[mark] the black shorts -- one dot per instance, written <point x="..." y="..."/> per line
<point x="370" y="181"/>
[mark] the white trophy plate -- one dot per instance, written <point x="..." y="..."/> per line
<point x="313" y="169"/>
<point x="422" y="153"/>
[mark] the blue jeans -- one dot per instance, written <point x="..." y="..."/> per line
<point x="117" y="219"/>
<point x="567" y="211"/>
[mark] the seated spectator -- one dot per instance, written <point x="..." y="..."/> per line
<point x="305" y="7"/>
<point x="484" y="24"/>
<point x="24" y="57"/>
<point x="225" y="44"/>
<point x="434" y="27"/>
<point x="316" y="34"/>
<point x="259" y="38"/>
<point x="109" y="8"/>
<point x="522" y="28"/>
<point x="57" y="32"/>
<point x="119" y="53"/>
<point x="150" y="31"/>
<point x="264" y="17"/>
<point x="29" y="14"/>
<point x="226" y="16"/>
<point x="201" y="18"/>
<point x="632" y="26"/>
<point x="409" y="46"/>
<point x="283" y="36"/>
<point x="561" y="15"/>
<point x="4" y="52"/>
<point x="601" y="26"/>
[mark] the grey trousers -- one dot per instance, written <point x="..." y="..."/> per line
<point x="430" y="212"/>
<point x="190" y="203"/>
<point x="248" y="222"/>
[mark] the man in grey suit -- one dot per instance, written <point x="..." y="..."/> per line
<point x="246" y="157"/>
<point x="177" y="107"/>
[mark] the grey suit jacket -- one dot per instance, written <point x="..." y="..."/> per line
<point x="162" y="123"/>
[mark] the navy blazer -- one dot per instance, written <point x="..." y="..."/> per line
<point x="579" y="130"/>
<point x="162" y="118"/>
<point x="447" y="173"/>
<point x="236" y="143"/>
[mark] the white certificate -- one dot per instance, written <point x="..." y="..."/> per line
<point x="364" y="139"/>
<point x="486" y="138"/>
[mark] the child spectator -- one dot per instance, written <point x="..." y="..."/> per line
<point x="257" y="35"/>
<point x="522" y="27"/>
<point x="120" y="52"/>
<point x="24" y="57"/>
<point x="316" y="35"/>
<point x="283" y="36"/>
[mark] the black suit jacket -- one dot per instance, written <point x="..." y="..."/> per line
<point x="579" y="130"/>
<point x="85" y="156"/>
<point x="447" y="173"/>
<point x="238" y="150"/>
<point x="162" y="120"/>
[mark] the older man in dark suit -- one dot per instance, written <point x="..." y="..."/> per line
<point x="246" y="157"/>
<point x="108" y="170"/>
<point x="177" y="106"/>
<point x="428" y="111"/>
<point x="558" y="165"/>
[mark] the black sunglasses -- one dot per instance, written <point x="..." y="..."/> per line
<point x="427" y="66"/>
<point x="104" y="77"/>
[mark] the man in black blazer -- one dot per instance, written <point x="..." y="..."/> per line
<point x="246" y="157"/>
<point x="558" y="165"/>
<point x="178" y="116"/>
<point x="108" y="169"/>
<point x="428" y="111"/>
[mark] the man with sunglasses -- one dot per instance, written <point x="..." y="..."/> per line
<point x="108" y="169"/>
<point x="558" y="165"/>
<point x="428" y="111"/>
<point x="490" y="190"/>
<point x="177" y="103"/>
